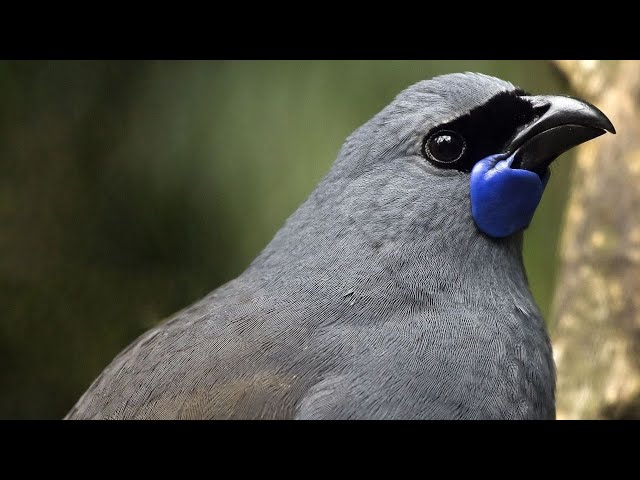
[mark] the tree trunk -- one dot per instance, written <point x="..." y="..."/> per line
<point x="596" y="311"/>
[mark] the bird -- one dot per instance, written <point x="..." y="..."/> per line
<point x="396" y="291"/>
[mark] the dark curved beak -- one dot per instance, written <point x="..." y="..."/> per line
<point x="562" y="123"/>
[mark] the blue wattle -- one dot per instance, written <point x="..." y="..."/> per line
<point x="504" y="199"/>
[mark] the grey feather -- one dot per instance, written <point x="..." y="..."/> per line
<point x="378" y="298"/>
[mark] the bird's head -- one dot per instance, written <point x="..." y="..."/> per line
<point x="436" y="188"/>
<point x="469" y="140"/>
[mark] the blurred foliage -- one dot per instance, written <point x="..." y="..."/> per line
<point x="130" y="189"/>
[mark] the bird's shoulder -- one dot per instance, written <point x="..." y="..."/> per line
<point x="222" y="357"/>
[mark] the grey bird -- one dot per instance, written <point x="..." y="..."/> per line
<point x="397" y="289"/>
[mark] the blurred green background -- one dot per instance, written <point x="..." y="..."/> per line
<point x="129" y="189"/>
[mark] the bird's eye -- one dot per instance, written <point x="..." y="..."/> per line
<point x="444" y="146"/>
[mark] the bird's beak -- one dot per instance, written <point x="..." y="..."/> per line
<point x="562" y="123"/>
